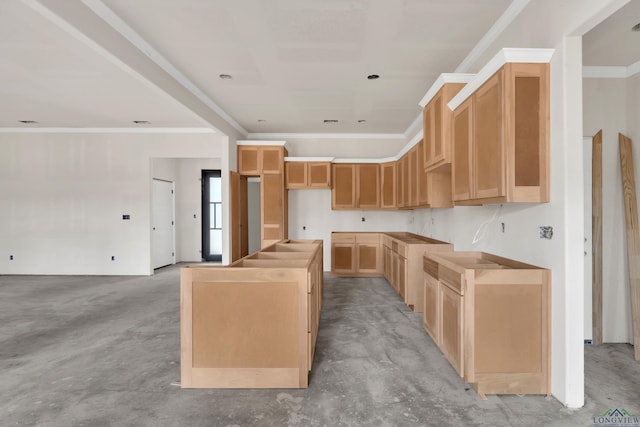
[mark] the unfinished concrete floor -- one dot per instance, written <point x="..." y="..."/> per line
<point x="105" y="351"/>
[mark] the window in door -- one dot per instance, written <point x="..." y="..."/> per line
<point x="212" y="215"/>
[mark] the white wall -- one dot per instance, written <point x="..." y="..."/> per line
<point x="64" y="195"/>
<point x="605" y="107"/>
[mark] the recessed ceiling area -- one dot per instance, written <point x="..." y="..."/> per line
<point x="294" y="63"/>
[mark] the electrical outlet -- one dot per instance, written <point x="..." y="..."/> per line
<point x="362" y="219"/>
<point x="10" y="257"/>
<point x="502" y="226"/>
<point x="588" y="342"/>
<point x="545" y="232"/>
<point x="113" y="257"/>
<point x="304" y="227"/>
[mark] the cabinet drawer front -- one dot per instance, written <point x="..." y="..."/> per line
<point x="430" y="267"/>
<point x="371" y="239"/>
<point x="451" y="278"/>
<point x="343" y="238"/>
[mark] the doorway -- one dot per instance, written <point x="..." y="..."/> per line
<point x="163" y="224"/>
<point x="212" y="215"/>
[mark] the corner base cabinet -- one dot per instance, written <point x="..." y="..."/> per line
<point x="254" y="323"/>
<point x="490" y="317"/>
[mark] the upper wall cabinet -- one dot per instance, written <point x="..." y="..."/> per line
<point x="356" y="186"/>
<point x="501" y="131"/>
<point x="259" y="159"/>
<point x="307" y="174"/>
<point x="388" y="198"/>
<point x="437" y="116"/>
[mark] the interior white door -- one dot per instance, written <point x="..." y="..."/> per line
<point x="162" y="219"/>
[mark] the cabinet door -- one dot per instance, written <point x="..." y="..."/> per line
<point x="319" y="175"/>
<point x="273" y="208"/>
<point x="271" y="159"/>
<point x="413" y="176"/>
<point x="248" y="163"/>
<point x="488" y="139"/>
<point x="427" y="134"/>
<point x="406" y="196"/>
<point x="343" y="258"/>
<point x="462" y="136"/>
<point x="430" y="315"/>
<point x="343" y="194"/>
<point x="295" y="174"/>
<point x="402" y="277"/>
<point x="451" y="324"/>
<point x="388" y="175"/>
<point x="367" y="255"/>
<point x="400" y="202"/>
<point x="368" y="186"/>
<point x="423" y="179"/>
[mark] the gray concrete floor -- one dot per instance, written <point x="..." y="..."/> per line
<point x="105" y="351"/>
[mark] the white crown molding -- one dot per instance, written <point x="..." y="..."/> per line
<point x="261" y="142"/>
<point x="109" y="130"/>
<point x="413" y="127"/>
<point x="610" y="72"/>
<point x="509" y="15"/>
<point x="441" y="81"/>
<point x="120" y="26"/>
<point x="503" y="57"/>
<point x="382" y="160"/>
<point x="327" y="135"/>
<point x="309" y="159"/>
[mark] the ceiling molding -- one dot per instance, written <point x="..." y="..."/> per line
<point x="441" y="81"/>
<point x="327" y="135"/>
<point x="359" y="160"/>
<point x="589" y="72"/>
<point x="110" y="130"/>
<point x="612" y="72"/>
<point x="120" y="26"/>
<point x="505" y="55"/>
<point x="259" y="142"/>
<point x="309" y="159"/>
<point x="492" y="35"/>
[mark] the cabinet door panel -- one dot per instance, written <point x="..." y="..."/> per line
<point x="431" y="310"/>
<point x="461" y="173"/>
<point x="423" y="179"/>
<point x="319" y="175"/>
<point x="388" y="175"/>
<point x="273" y="208"/>
<point x="248" y="160"/>
<point x="296" y="174"/>
<point x="427" y="134"/>
<point x="272" y="159"/>
<point x="488" y="142"/>
<point x="451" y="327"/>
<point x="368" y="186"/>
<point x="437" y="128"/>
<point x="343" y="258"/>
<point x="343" y="194"/>
<point x="367" y="258"/>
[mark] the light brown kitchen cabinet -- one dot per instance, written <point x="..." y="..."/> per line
<point x="403" y="267"/>
<point x="400" y="183"/>
<point x="501" y="138"/>
<point x="258" y="159"/>
<point x="437" y="127"/>
<point x="490" y="317"/>
<point x="253" y="324"/>
<point x="413" y="172"/>
<point x="388" y="185"/>
<point x="273" y="209"/>
<point x="356" y="254"/>
<point x="356" y="186"/>
<point x="462" y="161"/>
<point x="307" y="175"/>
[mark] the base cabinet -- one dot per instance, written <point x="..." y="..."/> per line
<point x="356" y="254"/>
<point x="490" y="317"/>
<point x="254" y="323"/>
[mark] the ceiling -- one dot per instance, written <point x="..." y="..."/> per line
<point x="294" y="63"/>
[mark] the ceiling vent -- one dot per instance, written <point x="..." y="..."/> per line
<point x="28" y="122"/>
<point x="142" y="122"/>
